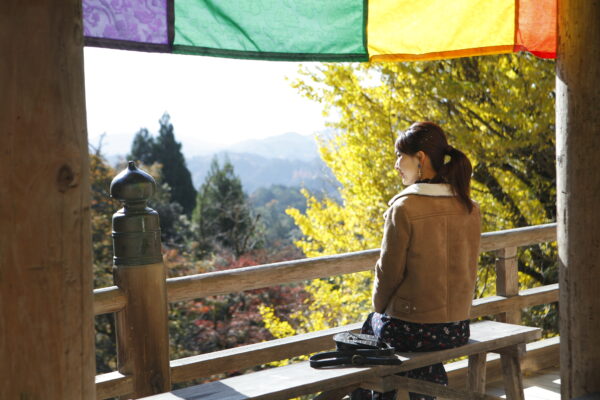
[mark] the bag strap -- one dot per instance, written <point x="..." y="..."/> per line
<point x="355" y="358"/>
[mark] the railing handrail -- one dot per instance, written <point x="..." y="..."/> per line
<point x="111" y="299"/>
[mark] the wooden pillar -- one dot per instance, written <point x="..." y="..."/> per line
<point x="46" y="317"/>
<point x="578" y="194"/>
<point x="507" y="281"/>
<point x="142" y="332"/>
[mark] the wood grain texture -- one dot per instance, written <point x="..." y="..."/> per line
<point x="278" y="383"/>
<point x="235" y="280"/>
<point x="142" y="333"/>
<point x="517" y="237"/>
<point x="578" y="194"/>
<point x="476" y="374"/>
<point x="298" y="379"/>
<point x="507" y="281"/>
<point x="513" y="378"/>
<point x="529" y="297"/>
<point x="113" y="384"/>
<point x="46" y="315"/>
<point x="238" y="358"/>
<point x="108" y="300"/>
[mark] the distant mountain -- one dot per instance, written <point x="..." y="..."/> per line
<point x="256" y="171"/>
<point x="291" y="146"/>
<point x="288" y="159"/>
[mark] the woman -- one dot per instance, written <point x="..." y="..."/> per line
<point x="425" y="276"/>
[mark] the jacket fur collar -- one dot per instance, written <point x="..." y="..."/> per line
<point x="425" y="189"/>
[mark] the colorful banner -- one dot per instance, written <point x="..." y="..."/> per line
<point x="318" y="30"/>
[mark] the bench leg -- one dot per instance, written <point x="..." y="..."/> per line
<point x="401" y="394"/>
<point x="511" y="370"/>
<point x="336" y="394"/>
<point x="476" y="378"/>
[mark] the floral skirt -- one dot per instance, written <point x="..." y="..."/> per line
<point x="413" y="337"/>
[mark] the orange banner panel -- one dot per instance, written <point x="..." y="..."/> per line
<point x="536" y="27"/>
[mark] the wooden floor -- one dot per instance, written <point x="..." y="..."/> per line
<point x="543" y="385"/>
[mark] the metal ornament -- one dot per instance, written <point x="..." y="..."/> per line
<point x="136" y="227"/>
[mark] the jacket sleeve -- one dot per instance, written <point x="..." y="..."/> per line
<point x="390" y="268"/>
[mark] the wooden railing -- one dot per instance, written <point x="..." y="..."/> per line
<point x="506" y="305"/>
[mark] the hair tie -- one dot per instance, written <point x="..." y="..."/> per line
<point x="449" y="149"/>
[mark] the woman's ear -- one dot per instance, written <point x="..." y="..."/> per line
<point x="421" y="156"/>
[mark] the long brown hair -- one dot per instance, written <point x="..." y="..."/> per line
<point x="430" y="138"/>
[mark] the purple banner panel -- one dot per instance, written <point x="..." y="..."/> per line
<point x="142" y="21"/>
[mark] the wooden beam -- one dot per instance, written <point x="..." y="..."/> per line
<point x="242" y="357"/>
<point x="235" y="280"/>
<point x="108" y="300"/>
<point x="578" y="193"/>
<point x="113" y="384"/>
<point x="526" y="298"/>
<point x="524" y="236"/>
<point x="46" y="316"/>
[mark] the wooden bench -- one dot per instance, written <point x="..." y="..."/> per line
<point x="334" y="383"/>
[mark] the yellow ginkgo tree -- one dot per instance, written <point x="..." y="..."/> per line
<point x="498" y="109"/>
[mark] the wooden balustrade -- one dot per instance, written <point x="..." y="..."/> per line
<point x="190" y="287"/>
<point x="507" y="304"/>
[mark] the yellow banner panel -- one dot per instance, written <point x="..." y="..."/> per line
<point x="422" y="27"/>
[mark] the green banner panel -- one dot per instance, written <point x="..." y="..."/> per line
<point x="324" y="30"/>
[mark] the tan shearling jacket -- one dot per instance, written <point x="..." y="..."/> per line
<point x="427" y="267"/>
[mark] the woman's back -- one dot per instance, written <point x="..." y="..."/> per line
<point x="431" y="255"/>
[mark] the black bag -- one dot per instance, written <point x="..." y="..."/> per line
<point x="354" y="349"/>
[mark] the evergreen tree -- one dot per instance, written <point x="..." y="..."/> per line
<point x="164" y="149"/>
<point x="143" y="148"/>
<point x="278" y="228"/>
<point x="175" y="172"/>
<point x="222" y="214"/>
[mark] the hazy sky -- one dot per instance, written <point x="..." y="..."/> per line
<point x="211" y="100"/>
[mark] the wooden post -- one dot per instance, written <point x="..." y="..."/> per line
<point x="46" y="317"/>
<point x="507" y="281"/>
<point x="142" y="332"/>
<point x="578" y="194"/>
<point x="507" y="285"/>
